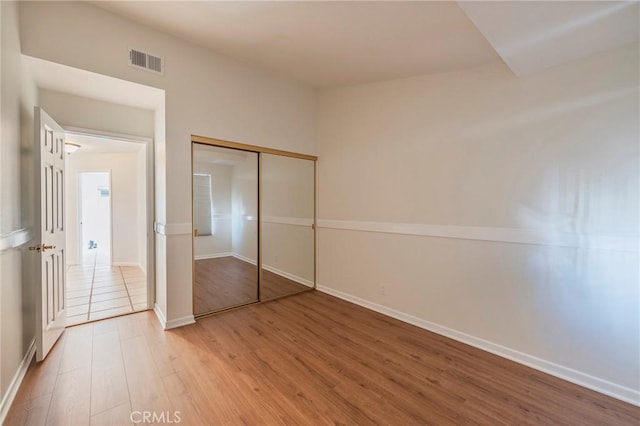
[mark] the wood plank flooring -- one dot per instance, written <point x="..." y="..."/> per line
<point x="310" y="359"/>
<point x="228" y="281"/>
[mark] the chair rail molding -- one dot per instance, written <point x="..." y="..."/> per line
<point x="15" y="239"/>
<point x="506" y="235"/>
<point x="176" y="228"/>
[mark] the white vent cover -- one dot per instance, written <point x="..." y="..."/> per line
<point x="146" y="61"/>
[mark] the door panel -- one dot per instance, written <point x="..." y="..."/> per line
<point x="225" y="211"/>
<point x="287" y="225"/>
<point x="50" y="294"/>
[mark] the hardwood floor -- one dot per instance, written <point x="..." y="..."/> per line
<point x="228" y="281"/>
<point x="306" y="360"/>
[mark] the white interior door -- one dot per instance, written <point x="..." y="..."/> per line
<point x="49" y="180"/>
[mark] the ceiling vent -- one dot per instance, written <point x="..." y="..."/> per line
<point x="146" y="61"/>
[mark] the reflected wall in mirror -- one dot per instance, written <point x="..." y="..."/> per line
<point x="288" y="237"/>
<point x="225" y="212"/>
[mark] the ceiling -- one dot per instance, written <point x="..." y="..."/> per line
<point x="324" y="44"/>
<point x="95" y="144"/>
<point x="534" y="35"/>
<point x="336" y="43"/>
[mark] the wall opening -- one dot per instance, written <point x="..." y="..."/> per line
<point x="107" y="202"/>
<point x="94" y="218"/>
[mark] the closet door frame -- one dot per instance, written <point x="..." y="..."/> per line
<point x="259" y="150"/>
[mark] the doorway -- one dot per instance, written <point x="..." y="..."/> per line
<point x="94" y="225"/>
<point x="106" y="196"/>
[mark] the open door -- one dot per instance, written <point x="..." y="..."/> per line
<point x="49" y="182"/>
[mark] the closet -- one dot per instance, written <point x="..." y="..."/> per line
<point x="253" y="224"/>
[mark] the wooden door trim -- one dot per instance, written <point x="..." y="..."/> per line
<point x="252" y="148"/>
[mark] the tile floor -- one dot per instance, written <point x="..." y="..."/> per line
<point x="96" y="291"/>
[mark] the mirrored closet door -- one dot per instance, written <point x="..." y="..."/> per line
<point x="253" y="224"/>
<point x="287" y="225"/>
<point x="225" y="222"/>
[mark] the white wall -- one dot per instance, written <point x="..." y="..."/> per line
<point x="206" y="94"/>
<point x="520" y="197"/>
<point x="75" y="111"/>
<point x="207" y="246"/>
<point x="17" y="299"/>
<point x="127" y="191"/>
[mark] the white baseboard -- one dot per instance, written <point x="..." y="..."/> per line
<point x="179" y="322"/>
<point x="12" y="390"/>
<point x="174" y="323"/>
<point x="244" y="258"/>
<point x="622" y="393"/>
<point x="160" y="315"/>
<point x="275" y="270"/>
<point x="287" y="275"/>
<point x="213" y="256"/>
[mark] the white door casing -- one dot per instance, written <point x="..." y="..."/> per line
<point x="50" y="232"/>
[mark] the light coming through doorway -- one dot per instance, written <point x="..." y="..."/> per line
<point x="95" y="217"/>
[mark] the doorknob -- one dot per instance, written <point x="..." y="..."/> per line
<point x="44" y="247"/>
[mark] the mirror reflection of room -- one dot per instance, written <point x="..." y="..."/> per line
<point x="225" y="211"/>
<point x="287" y="225"/>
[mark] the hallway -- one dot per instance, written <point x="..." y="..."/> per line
<point x="97" y="290"/>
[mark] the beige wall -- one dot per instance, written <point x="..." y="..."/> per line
<point x="127" y="191"/>
<point x="17" y="299"/>
<point x="499" y="210"/>
<point x="206" y="94"/>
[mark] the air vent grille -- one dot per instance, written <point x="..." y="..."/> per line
<point x="147" y="61"/>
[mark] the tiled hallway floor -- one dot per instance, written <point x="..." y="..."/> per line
<point x="96" y="291"/>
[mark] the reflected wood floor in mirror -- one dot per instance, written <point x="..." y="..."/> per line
<point x="274" y="285"/>
<point x="310" y="359"/>
<point x="228" y="281"/>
